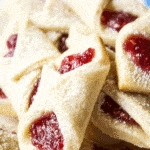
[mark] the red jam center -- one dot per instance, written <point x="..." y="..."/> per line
<point x="11" y="45"/>
<point x="34" y="91"/>
<point x="114" y="110"/>
<point x="116" y="19"/>
<point x="138" y="47"/>
<point x="45" y="133"/>
<point x="2" y="95"/>
<point x="74" y="61"/>
<point x="62" y="47"/>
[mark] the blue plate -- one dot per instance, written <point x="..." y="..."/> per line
<point x="147" y="3"/>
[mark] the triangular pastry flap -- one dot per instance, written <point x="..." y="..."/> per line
<point x="88" y="10"/>
<point x="10" y="30"/>
<point x="70" y="96"/>
<point x="137" y="105"/>
<point x="51" y="14"/>
<point x="113" y="104"/>
<point x="18" y="92"/>
<point x="117" y="129"/>
<point x="12" y="13"/>
<point x="135" y="75"/>
<point x="81" y="39"/>
<point x="115" y="15"/>
<point x="33" y="47"/>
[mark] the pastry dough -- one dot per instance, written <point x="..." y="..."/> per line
<point x="136" y="134"/>
<point x="72" y="95"/>
<point x="11" y="28"/>
<point x="9" y="141"/>
<point x="8" y="130"/>
<point x="33" y="47"/>
<point x="6" y="107"/>
<point x="17" y="92"/>
<point x="49" y="14"/>
<point x="130" y="76"/>
<point x="128" y="6"/>
<point x="90" y="13"/>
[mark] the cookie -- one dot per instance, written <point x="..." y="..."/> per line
<point x="66" y="86"/>
<point x="122" y="115"/>
<point x="132" y="56"/>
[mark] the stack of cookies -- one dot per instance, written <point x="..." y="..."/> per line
<point x="74" y="74"/>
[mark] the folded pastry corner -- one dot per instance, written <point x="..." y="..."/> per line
<point x="107" y="17"/>
<point x="122" y="115"/>
<point x="115" y="16"/>
<point x="132" y="56"/>
<point x="68" y="90"/>
<point x="50" y="14"/>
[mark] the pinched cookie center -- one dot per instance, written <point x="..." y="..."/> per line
<point x="74" y="61"/>
<point x="116" y="19"/>
<point x="138" y="48"/>
<point x="11" y="45"/>
<point x="115" y="111"/>
<point x="34" y="91"/>
<point x="2" y="94"/>
<point x="45" y="133"/>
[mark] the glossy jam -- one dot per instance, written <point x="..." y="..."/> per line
<point x="2" y="94"/>
<point x="34" y="91"/>
<point x="116" y="19"/>
<point x="115" y="111"/>
<point x="74" y="61"/>
<point x="11" y="45"/>
<point x="45" y="133"/>
<point x="138" y="48"/>
<point x="62" y="47"/>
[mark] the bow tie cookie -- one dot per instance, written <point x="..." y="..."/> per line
<point x="132" y="56"/>
<point x="107" y="17"/>
<point x="117" y="14"/>
<point x="33" y="48"/>
<point x="122" y="115"/>
<point x="66" y="95"/>
<point x="20" y="93"/>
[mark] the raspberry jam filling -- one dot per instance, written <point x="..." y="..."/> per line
<point x="45" y="133"/>
<point x="138" y="48"/>
<point x="115" y="111"/>
<point x="11" y="45"/>
<point x="74" y="61"/>
<point x="2" y="94"/>
<point x="62" y="47"/>
<point x="116" y="19"/>
<point x="34" y="91"/>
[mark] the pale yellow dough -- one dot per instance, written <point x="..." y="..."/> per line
<point x="130" y="6"/>
<point x="136" y="105"/>
<point x="131" y="78"/>
<point x="90" y="13"/>
<point x="71" y="96"/>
